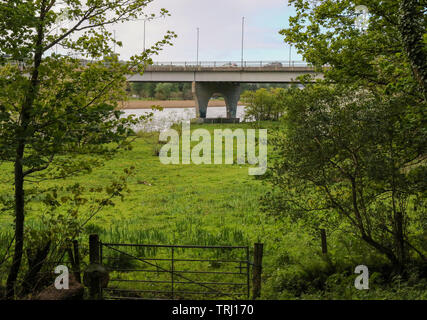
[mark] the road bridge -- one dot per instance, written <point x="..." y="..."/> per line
<point x="224" y="78"/>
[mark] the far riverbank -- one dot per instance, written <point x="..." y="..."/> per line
<point x="147" y="104"/>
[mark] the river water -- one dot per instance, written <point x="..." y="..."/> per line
<point x="162" y="120"/>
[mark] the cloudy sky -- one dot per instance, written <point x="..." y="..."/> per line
<point x="220" y="23"/>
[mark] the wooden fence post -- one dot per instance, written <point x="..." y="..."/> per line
<point x="94" y="288"/>
<point x="257" y="270"/>
<point x="324" y="243"/>
<point x="93" y="249"/>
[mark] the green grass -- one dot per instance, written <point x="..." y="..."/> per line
<point x="168" y="204"/>
<point x="181" y="204"/>
<point x="173" y="199"/>
<point x="206" y="205"/>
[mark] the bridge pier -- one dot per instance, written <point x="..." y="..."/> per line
<point x="203" y="91"/>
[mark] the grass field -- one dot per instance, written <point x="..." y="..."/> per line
<point x="208" y="205"/>
<point x="169" y="204"/>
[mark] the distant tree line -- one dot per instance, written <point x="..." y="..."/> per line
<point x="182" y="90"/>
<point x="161" y="91"/>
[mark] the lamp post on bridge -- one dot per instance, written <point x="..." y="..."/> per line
<point x="144" y="34"/>
<point x="197" y="51"/>
<point x="148" y="18"/>
<point x="243" y="32"/>
<point x="114" y="31"/>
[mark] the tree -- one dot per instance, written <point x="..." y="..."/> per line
<point x="259" y="104"/>
<point x="187" y="93"/>
<point x="354" y="147"/>
<point x="144" y="90"/>
<point x="55" y="108"/>
<point x="137" y="88"/>
<point x="347" y="159"/>
<point x="324" y="32"/>
<point x="164" y="91"/>
<point x="264" y="104"/>
<point x="412" y="28"/>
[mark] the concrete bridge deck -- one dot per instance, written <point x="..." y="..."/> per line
<point x="224" y="77"/>
<point x="233" y="71"/>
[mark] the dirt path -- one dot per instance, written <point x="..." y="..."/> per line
<point x="142" y="104"/>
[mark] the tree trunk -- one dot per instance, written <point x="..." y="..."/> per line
<point x="35" y="264"/>
<point x="19" y="222"/>
<point x="399" y="240"/>
<point x="386" y="251"/>
<point x="21" y="137"/>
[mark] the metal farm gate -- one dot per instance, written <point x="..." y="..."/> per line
<point x="152" y="271"/>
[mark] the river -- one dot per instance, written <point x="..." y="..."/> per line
<point x="162" y="120"/>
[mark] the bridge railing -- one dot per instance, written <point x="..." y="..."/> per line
<point x="207" y="64"/>
<point x="231" y="64"/>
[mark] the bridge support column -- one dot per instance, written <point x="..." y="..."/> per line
<point x="201" y="94"/>
<point x="203" y="91"/>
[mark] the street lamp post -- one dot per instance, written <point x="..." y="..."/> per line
<point x="144" y="34"/>
<point x="114" y="31"/>
<point x="243" y="32"/>
<point x="147" y="18"/>
<point x="197" y="53"/>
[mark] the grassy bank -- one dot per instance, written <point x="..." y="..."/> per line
<point x="167" y="204"/>
<point x="216" y="205"/>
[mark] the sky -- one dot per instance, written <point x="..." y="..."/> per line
<point x="220" y="25"/>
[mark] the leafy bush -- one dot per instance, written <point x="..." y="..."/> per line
<point x="267" y="104"/>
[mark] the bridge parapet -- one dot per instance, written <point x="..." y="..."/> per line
<point x="231" y="66"/>
<point x="206" y="66"/>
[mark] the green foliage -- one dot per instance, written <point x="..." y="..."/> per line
<point x="173" y="204"/>
<point x="56" y="109"/>
<point x="351" y="154"/>
<point x="143" y="90"/>
<point x="182" y="90"/>
<point x="264" y="104"/>
<point x="189" y="204"/>
<point x="295" y="268"/>
<point x="412" y="28"/>
<point x="162" y="91"/>
<point x="344" y="161"/>
<point x="325" y="34"/>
